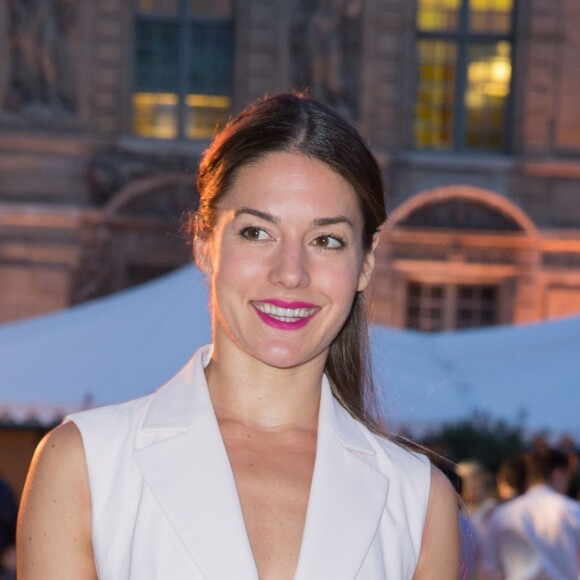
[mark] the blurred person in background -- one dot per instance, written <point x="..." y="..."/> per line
<point x="468" y="536"/>
<point x="477" y="492"/>
<point x="8" y="512"/>
<point x="568" y="446"/>
<point x="511" y="478"/>
<point x="535" y="536"/>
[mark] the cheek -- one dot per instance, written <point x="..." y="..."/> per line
<point x="236" y="269"/>
<point x="341" y="281"/>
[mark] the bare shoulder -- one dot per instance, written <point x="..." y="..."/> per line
<point x="54" y="523"/>
<point x="440" y="548"/>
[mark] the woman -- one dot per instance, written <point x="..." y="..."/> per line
<point x="260" y="459"/>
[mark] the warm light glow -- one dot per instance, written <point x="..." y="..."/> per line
<point x="484" y="15"/>
<point x="489" y="78"/>
<point x="438" y="14"/>
<point x="151" y="99"/>
<point x="156" y="114"/>
<point x="490" y="16"/>
<point x="204" y="114"/>
<point x="211" y="101"/>
<point x="491" y="5"/>
<point x="434" y="114"/>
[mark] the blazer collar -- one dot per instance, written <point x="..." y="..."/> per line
<point x="183" y="458"/>
<point x="185" y="399"/>
<point x="347" y="496"/>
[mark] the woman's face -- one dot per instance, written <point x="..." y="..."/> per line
<point x="285" y="260"/>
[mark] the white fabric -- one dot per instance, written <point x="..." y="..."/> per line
<point x="479" y="518"/>
<point x="165" y="505"/>
<point x="534" y="537"/>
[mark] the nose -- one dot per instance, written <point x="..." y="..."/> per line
<point x="290" y="266"/>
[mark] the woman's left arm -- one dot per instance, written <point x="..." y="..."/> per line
<point x="441" y="546"/>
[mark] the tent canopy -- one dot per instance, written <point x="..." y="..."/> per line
<point x="128" y="344"/>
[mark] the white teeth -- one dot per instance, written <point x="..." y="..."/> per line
<point x="284" y="314"/>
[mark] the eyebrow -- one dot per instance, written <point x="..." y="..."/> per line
<point x="329" y="221"/>
<point x="260" y="214"/>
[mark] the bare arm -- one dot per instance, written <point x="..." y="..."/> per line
<point x="53" y="537"/>
<point x="440" y="548"/>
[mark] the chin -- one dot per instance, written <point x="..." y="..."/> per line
<point x="286" y="356"/>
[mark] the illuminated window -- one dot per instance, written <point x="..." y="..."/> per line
<point x="434" y="307"/>
<point x="183" y="67"/>
<point x="464" y="72"/>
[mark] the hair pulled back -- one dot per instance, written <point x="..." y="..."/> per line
<point x="294" y="123"/>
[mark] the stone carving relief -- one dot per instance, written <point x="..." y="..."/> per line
<point x="140" y="204"/>
<point x="41" y="82"/>
<point x="111" y="171"/>
<point x="325" y="46"/>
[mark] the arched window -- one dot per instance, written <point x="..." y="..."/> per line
<point x="182" y="67"/>
<point x="464" y="55"/>
<point x="431" y="307"/>
<point x="454" y="257"/>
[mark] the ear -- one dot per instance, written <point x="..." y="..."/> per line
<point x="368" y="265"/>
<point x="202" y="254"/>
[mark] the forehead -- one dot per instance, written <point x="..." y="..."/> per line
<point x="284" y="183"/>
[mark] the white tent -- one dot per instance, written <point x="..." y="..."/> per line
<point x="128" y="344"/>
<point x="104" y="351"/>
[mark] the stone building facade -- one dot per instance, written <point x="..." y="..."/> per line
<point x="470" y="107"/>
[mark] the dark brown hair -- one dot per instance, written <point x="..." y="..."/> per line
<point x="297" y="124"/>
<point x="541" y="464"/>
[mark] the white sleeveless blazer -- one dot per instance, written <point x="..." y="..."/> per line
<point x="165" y="505"/>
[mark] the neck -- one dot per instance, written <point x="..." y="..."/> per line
<point x="247" y="391"/>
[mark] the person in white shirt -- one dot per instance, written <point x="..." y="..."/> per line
<point x="535" y="536"/>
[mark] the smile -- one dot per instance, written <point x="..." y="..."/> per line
<point x="284" y="314"/>
<point x="285" y="318"/>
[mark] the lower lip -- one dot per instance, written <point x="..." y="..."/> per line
<point x="280" y="324"/>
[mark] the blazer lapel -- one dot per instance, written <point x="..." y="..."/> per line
<point x="347" y="497"/>
<point x="183" y="459"/>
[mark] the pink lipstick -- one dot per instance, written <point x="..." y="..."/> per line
<point x="285" y="315"/>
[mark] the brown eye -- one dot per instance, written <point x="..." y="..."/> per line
<point x="253" y="233"/>
<point x="329" y="242"/>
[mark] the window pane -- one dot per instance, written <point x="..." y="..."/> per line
<point x="440" y="15"/>
<point x="436" y="292"/>
<point x="155" y="101"/>
<point x="211" y="51"/>
<point x="491" y="16"/>
<point x="425" y="307"/>
<point x="211" y="8"/>
<point x="158" y="6"/>
<point x="465" y="292"/>
<point x="488" y="87"/>
<point x="477" y="306"/>
<point x="155" y="115"/>
<point x="434" y="107"/>
<point x="430" y="307"/>
<point x="205" y="114"/>
<point x="156" y="56"/>
<point x="209" y="84"/>
<point x="182" y="90"/>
